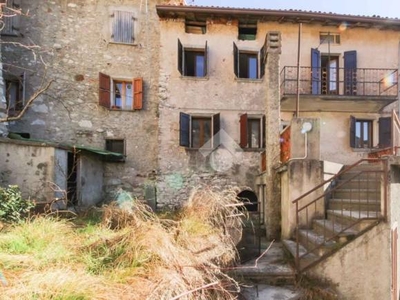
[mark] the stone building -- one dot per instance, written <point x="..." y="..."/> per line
<point x="100" y="57"/>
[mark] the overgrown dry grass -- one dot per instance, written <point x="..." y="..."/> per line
<point x="130" y="254"/>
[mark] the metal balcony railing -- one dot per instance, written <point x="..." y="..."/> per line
<point x="339" y="81"/>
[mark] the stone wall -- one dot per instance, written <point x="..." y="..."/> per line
<point x="74" y="44"/>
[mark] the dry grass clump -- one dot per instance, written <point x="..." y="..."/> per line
<point x="132" y="254"/>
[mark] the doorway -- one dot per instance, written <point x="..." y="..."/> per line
<point x="329" y="74"/>
<point x="72" y="175"/>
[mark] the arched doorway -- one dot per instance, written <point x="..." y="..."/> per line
<point x="250" y="199"/>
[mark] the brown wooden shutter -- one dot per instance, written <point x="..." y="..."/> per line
<point x="104" y="90"/>
<point x="243" y="131"/>
<point x="138" y="93"/>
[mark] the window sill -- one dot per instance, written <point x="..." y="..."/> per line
<point x="249" y="80"/>
<point x="253" y="149"/>
<point x="363" y="149"/>
<point x="119" y="109"/>
<point x="205" y="78"/>
<point x="198" y="149"/>
<point x="124" y="44"/>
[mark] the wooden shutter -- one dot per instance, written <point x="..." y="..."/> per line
<point x="138" y="93"/>
<point x="235" y="59"/>
<point x="180" y="57"/>
<point x="264" y="132"/>
<point x="104" y="90"/>
<point x="123" y="27"/>
<point x="216" y="128"/>
<point x="352" y="132"/>
<point x="315" y="71"/>
<point x="350" y="72"/>
<point x="205" y="60"/>
<point x="184" y="130"/>
<point x="263" y="57"/>
<point x="385" y="132"/>
<point x="11" y="24"/>
<point x="243" y="131"/>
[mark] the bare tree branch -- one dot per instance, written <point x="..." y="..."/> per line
<point x="34" y="96"/>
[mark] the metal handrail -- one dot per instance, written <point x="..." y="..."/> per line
<point x="383" y="172"/>
<point x="346" y="82"/>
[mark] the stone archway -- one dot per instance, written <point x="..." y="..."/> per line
<point x="250" y="199"/>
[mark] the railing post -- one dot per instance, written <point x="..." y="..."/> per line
<point x="385" y="188"/>
<point x="297" y="237"/>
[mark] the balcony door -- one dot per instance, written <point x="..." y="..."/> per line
<point x="329" y="74"/>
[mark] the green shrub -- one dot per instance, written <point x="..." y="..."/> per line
<point x="13" y="208"/>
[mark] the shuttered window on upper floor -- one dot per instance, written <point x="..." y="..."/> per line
<point x="10" y="21"/>
<point x="123" y="27"/>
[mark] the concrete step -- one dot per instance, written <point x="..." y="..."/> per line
<point x="349" y="218"/>
<point x="306" y="259"/>
<point x="359" y="183"/>
<point x="360" y="174"/>
<point x="272" y="268"/>
<point x="370" y="194"/>
<point x="329" y="229"/>
<point x="354" y="204"/>
<point x="367" y="166"/>
<point x="315" y="242"/>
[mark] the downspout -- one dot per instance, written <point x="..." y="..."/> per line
<point x="398" y="87"/>
<point x="297" y="114"/>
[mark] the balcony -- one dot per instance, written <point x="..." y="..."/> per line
<point x="338" y="89"/>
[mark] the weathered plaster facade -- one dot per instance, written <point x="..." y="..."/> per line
<point x="75" y="44"/>
<point x="219" y="92"/>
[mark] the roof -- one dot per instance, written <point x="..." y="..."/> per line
<point x="65" y="146"/>
<point x="200" y="13"/>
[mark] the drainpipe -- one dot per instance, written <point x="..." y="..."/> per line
<point x="398" y="76"/>
<point x="298" y="73"/>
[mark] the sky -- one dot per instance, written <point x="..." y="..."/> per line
<point x="383" y="8"/>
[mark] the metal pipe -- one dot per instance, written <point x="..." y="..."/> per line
<point x="297" y="114"/>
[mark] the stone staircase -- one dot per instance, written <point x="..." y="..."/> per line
<point x="352" y="206"/>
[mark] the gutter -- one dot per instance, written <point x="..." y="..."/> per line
<point x="162" y="9"/>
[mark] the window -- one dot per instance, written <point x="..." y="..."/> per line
<point x="11" y="17"/>
<point x="14" y="91"/>
<point x="199" y="131"/>
<point x="252" y="131"/>
<point x="329" y="38"/>
<point x="117" y="146"/>
<point x="120" y="94"/>
<point x="248" y="64"/>
<point x="360" y="133"/>
<point x="247" y="32"/>
<point x="195" y="27"/>
<point x="192" y="61"/>
<point x="123" y="27"/>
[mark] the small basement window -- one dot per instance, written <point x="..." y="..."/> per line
<point x="195" y="27"/>
<point x="117" y="146"/>
<point x="247" y="32"/>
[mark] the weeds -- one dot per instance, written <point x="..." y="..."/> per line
<point x="130" y="254"/>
